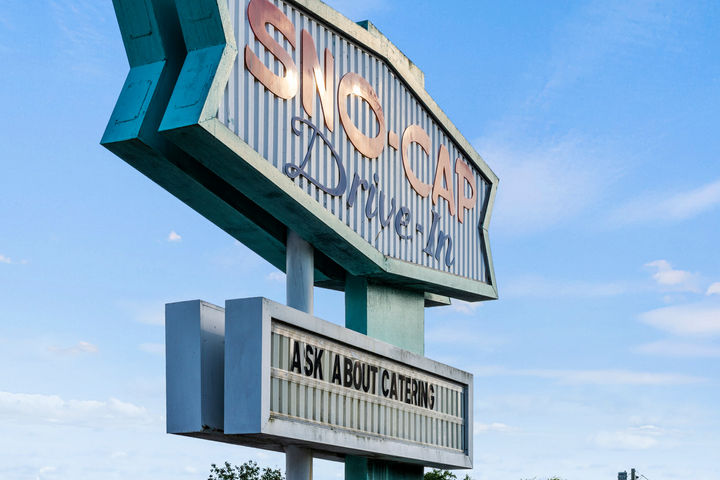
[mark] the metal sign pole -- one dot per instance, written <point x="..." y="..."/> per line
<point x="299" y="294"/>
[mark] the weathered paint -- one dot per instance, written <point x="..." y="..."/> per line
<point x="156" y="52"/>
<point x="300" y="260"/>
<point x="316" y="397"/>
<point x="262" y="411"/>
<point x="155" y="49"/>
<point x="393" y="315"/>
<point x="195" y="366"/>
<point x="191" y="122"/>
<point x="266" y="122"/>
<point x="397" y="317"/>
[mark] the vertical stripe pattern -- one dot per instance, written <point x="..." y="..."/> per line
<point x="263" y="121"/>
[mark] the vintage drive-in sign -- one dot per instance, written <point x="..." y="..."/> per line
<point x="287" y="115"/>
<point x="292" y="378"/>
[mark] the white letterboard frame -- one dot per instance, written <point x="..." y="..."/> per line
<point x="258" y="331"/>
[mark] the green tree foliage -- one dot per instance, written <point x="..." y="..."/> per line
<point x="436" y="474"/>
<point x="246" y="471"/>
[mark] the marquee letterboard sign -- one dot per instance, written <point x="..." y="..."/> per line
<point x="325" y="127"/>
<point x="293" y="378"/>
<point x="262" y="374"/>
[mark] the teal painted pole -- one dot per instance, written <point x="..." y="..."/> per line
<point x="395" y="316"/>
<point x="299" y="282"/>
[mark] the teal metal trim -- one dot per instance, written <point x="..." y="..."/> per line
<point x="433" y="300"/>
<point x="211" y="48"/>
<point x="486" y="235"/>
<point x="224" y="153"/>
<point x="156" y="50"/>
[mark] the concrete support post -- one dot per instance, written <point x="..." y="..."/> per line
<point x="299" y="269"/>
<point x="395" y="316"/>
<point x="298" y="463"/>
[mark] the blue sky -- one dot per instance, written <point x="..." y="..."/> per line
<point x="603" y="352"/>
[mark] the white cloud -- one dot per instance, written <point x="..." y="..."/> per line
<point x="45" y="470"/>
<point x="624" y="440"/>
<point x="602" y="33"/>
<point x="25" y="407"/>
<point x="77" y="349"/>
<point x="492" y="427"/>
<point x="542" y="185"/>
<point x="536" y="286"/>
<point x="466" y="308"/>
<point x="463" y="334"/>
<point x="690" y="319"/>
<point x="173" y="237"/>
<point x="154" y="348"/>
<point x="594" y="377"/>
<point x="669" y="348"/>
<point x="614" y="377"/>
<point x="713" y="289"/>
<point x="664" y="207"/>
<point x="278" y="277"/>
<point x="677" y="280"/>
<point x="4" y="259"/>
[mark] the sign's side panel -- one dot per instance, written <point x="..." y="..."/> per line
<point x="194" y="343"/>
<point x="244" y="366"/>
<point x="419" y="199"/>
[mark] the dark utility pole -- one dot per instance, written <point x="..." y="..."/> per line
<point x="632" y="474"/>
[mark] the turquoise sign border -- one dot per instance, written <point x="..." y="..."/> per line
<point x="224" y="179"/>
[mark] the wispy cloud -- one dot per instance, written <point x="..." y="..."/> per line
<point x="173" y="237"/>
<point x="479" y="427"/>
<point x="460" y="306"/>
<point x="595" y="377"/>
<point x="277" y="277"/>
<point x="713" y="289"/>
<point x="153" y="348"/>
<point x="672" y="279"/>
<point x="667" y="206"/>
<point x="671" y="348"/>
<point x="8" y="260"/>
<point x="631" y="439"/>
<point x="27" y="407"/>
<point x="464" y="334"/>
<point x="691" y="319"/>
<point x="537" y="286"/>
<point x="82" y="25"/>
<point x="599" y="34"/>
<point x="544" y="184"/>
<point x="77" y="349"/>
